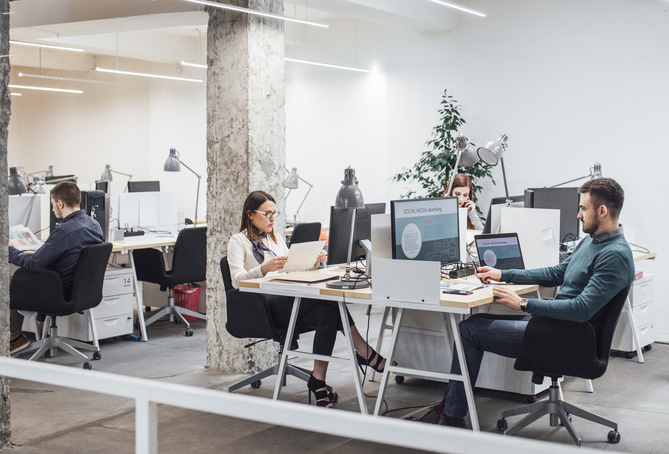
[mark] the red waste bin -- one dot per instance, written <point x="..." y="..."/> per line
<point x="188" y="297"/>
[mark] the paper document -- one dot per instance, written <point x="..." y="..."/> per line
<point x="458" y="286"/>
<point x="23" y="239"/>
<point x="302" y="256"/>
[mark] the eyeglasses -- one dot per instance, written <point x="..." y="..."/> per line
<point x="269" y="214"/>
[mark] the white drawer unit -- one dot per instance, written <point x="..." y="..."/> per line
<point x="118" y="281"/>
<point x="642" y="300"/>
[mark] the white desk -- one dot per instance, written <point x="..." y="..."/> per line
<point x="449" y="307"/>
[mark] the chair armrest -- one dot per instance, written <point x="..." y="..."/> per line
<point x="149" y="265"/>
<point x="37" y="291"/>
<point x="249" y="316"/>
<point x="554" y="348"/>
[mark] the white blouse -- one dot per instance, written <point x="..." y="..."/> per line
<point x="243" y="265"/>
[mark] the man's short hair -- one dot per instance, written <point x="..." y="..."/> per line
<point x="68" y="193"/>
<point x="605" y="191"/>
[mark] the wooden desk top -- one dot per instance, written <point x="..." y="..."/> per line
<point x="639" y="256"/>
<point x="143" y="242"/>
<point x="478" y="298"/>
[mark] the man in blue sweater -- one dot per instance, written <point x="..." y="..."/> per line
<point x="600" y="267"/>
<point x="61" y="251"/>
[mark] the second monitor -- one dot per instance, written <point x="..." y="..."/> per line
<point x="340" y="231"/>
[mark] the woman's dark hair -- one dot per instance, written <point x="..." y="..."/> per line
<point x="605" y="191"/>
<point x="252" y="203"/>
<point x="68" y="193"/>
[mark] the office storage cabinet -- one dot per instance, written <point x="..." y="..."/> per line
<point x="114" y="315"/>
<point x="642" y="300"/>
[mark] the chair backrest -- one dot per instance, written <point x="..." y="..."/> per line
<point x="610" y="315"/>
<point x="225" y="272"/>
<point x="89" y="277"/>
<point x="308" y="231"/>
<point x="189" y="263"/>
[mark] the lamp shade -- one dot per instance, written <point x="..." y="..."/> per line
<point x="172" y="164"/>
<point x="37" y="186"/>
<point x="291" y="181"/>
<point x="492" y="151"/>
<point x="106" y="175"/>
<point x="596" y="171"/>
<point x="49" y="172"/>
<point x="16" y="183"/>
<point x="468" y="154"/>
<point x="349" y="195"/>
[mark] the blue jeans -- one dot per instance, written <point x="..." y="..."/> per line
<point x="480" y="333"/>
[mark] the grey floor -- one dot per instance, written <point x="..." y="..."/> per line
<point x="58" y="420"/>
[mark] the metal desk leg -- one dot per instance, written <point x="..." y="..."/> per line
<point x="635" y="334"/>
<point x="389" y="361"/>
<point x="379" y="341"/>
<point x="139" y="300"/>
<point x="286" y="348"/>
<point x="469" y="388"/>
<point x="351" y="353"/>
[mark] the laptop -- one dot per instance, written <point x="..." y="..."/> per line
<point x="302" y="256"/>
<point x="500" y="250"/>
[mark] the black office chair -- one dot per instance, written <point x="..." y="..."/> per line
<point x="249" y="317"/>
<point x="305" y="232"/>
<point x="554" y="348"/>
<point x="42" y="292"/>
<point x="189" y="264"/>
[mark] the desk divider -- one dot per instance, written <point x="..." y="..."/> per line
<point x="407" y="281"/>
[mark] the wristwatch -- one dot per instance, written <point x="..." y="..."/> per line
<point x="523" y="304"/>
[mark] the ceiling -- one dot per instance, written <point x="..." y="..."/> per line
<point x="168" y="31"/>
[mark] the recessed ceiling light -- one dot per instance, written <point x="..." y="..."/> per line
<point x="38" y="76"/>
<point x="327" y="65"/>
<point x="257" y="13"/>
<point x="461" y="8"/>
<point x="155" y="76"/>
<point x="194" y="65"/>
<point x="62" y="90"/>
<point x="46" y="46"/>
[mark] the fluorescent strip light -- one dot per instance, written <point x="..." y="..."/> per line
<point x="62" y="90"/>
<point x="461" y="8"/>
<point x="69" y="79"/>
<point x="16" y="94"/>
<point x="327" y="65"/>
<point x="258" y="13"/>
<point x="156" y="76"/>
<point x="194" y="65"/>
<point x="47" y="46"/>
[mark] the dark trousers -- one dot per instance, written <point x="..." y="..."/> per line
<point x="314" y="315"/>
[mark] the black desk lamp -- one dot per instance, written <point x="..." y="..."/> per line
<point x="173" y="164"/>
<point x="349" y="197"/>
<point x="16" y="184"/>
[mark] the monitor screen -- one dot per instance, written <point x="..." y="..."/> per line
<point x="564" y="199"/>
<point x="425" y="229"/>
<point x="340" y="231"/>
<point x="102" y="186"/>
<point x="516" y="200"/>
<point x="501" y="251"/>
<point x="143" y="186"/>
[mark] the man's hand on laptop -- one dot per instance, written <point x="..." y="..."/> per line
<point x="276" y="264"/>
<point x="507" y="297"/>
<point x="487" y="274"/>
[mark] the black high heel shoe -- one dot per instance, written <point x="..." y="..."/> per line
<point x="362" y="361"/>
<point x="322" y="392"/>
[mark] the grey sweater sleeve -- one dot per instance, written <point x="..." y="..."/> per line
<point x="474" y="217"/>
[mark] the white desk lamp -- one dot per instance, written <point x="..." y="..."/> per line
<point x="291" y="182"/>
<point x="173" y="164"/>
<point x="349" y="197"/>
<point x="595" y="172"/>
<point x="492" y="154"/>
<point x="107" y="175"/>
<point x="466" y="157"/>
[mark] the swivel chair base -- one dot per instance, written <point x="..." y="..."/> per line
<point x="173" y="311"/>
<point x="254" y="380"/>
<point x="559" y="412"/>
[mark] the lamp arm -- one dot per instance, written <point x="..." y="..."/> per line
<point x="194" y="172"/>
<point x="455" y="172"/>
<point x="306" y="182"/>
<point x="305" y="198"/>
<point x="596" y="170"/>
<point x="506" y="187"/>
<point x="121" y="173"/>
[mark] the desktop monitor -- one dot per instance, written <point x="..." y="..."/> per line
<point x="95" y="204"/>
<point x="425" y="229"/>
<point x="564" y="199"/>
<point x="102" y="186"/>
<point x="516" y="200"/>
<point x="143" y="186"/>
<point x="340" y="231"/>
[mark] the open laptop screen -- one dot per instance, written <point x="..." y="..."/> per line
<point x="501" y="251"/>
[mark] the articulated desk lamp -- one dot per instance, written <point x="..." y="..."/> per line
<point x="466" y="157"/>
<point x="595" y="172"/>
<point x="107" y="175"/>
<point x="349" y="197"/>
<point x="292" y="182"/>
<point x="492" y="153"/>
<point x="173" y="164"/>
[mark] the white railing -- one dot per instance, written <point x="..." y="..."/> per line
<point x="148" y="393"/>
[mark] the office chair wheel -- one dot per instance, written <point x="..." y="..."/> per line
<point x="256" y="384"/>
<point x="334" y="397"/>
<point x="147" y="309"/>
<point x="614" y="436"/>
<point x="629" y="355"/>
<point x="502" y="425"/>
<point x="136" y="324"/>
<point x="189" y="332"/>
<point x="97" y="355"/>
<point x="399" y="379"/>
<point x="177" y="321"/>
<point x="89" y="366"/>
<point x="648" y="348"/>
<point x="530" y="399"/>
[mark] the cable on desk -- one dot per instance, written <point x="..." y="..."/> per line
<point x="409" y="408"/>
<point x="149" y="230"/>
<point x="640" y="248"/>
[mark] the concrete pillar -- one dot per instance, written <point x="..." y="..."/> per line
<point x="245" y="152"/>
<point x="5" y="110"/>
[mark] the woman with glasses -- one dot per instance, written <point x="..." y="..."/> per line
<point x="256" y="251"/>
